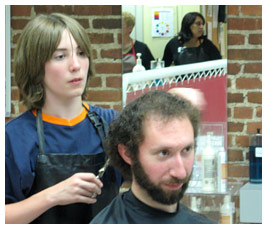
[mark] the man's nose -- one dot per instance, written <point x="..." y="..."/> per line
<point x="177" y="169"/>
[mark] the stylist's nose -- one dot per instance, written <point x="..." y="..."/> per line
<point x="74" y="63"/>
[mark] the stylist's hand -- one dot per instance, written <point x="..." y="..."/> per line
<point x="195" y="96"/>
<point x="79" y="188"/>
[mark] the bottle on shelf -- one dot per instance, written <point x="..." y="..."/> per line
<point x="195" y="204"/>
<point x="226" y="211"/>
<point x="138" y="67"/>
<point x="159" y="65"/>
<point x="255" y="158"/>
<point x="208" y="164"/>
<point x="222" y="171"/>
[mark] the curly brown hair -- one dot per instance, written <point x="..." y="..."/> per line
<point x="127" y="128"/>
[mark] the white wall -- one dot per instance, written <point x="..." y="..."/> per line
<point x="137" y="11"/>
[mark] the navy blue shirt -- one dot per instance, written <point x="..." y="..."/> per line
<point x="76" y="136"/>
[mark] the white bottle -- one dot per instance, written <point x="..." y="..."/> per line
<point x="208" y="164"/>
<point x="222" y="171"/>
<point x="195" y="204"/>
<point x="158" y="64"/>
<point x="138" y="67"/>
<point x="226" y="211"/>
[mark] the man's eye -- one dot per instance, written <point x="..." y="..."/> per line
<point x="188" y="149"/>
<point x="163" y="153"/>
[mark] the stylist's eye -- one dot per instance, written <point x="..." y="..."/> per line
<point x="59" y="57"/>
<point x="81" y="53"/>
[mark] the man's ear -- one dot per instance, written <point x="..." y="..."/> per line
<point x="122" y="149"/>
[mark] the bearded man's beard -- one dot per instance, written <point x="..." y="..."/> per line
<point x="155" y="191"/>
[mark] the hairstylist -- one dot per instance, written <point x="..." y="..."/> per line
<point x="53" y="151"/>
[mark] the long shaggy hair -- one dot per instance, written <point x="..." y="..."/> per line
<point x="35" y="47"/>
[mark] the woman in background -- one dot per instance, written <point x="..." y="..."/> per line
<point x="190" y="46"/>
<point x="131" y="46"/>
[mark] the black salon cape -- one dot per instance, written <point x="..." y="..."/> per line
<point x="127" y="209"/>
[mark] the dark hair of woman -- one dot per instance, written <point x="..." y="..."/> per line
<point x="185" y="33"/>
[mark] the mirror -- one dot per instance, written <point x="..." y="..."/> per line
<point x="145" y="25"/>
<point x="208" y="76"/>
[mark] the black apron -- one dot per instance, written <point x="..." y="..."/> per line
<point x="52" y="168"/>
<point x="189" y="55"/>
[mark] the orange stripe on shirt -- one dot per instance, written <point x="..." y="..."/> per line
<point x="63" y="121"/>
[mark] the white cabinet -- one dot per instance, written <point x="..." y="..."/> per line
<point x="251" y="203"/>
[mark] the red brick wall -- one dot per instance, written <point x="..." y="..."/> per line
<point x="244" y="85"/>
<point x="244" y="68"/>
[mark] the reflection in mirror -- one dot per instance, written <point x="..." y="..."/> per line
<point x="190" y="45"/>
<point x="158" y="28"/>
<point x="133" y="48"/>
<point x="209" y="75"/>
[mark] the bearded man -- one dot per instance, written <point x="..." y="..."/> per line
<point x="152" y="143"/>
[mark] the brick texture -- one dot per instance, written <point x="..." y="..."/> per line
<point x="245" y="87"/>
<point x="251" y="10"/>
<point x="243" y="112"/>
<point x="104" y="95"/>
<point x="235" y="127"/>
<point x="255" y="97"/>
<point x="21" y="10"/>
<point x="234" y="68"/>
<point x="245" y="54"/>
<point x="248" y="83"/>
<point x="244" y="24"/>
<point x="253" y="68"/>
<point x="237" y="170"/>
<point x="235" y="97"/>
<point x="236" y="39"/>
<point x="255" y="39"/>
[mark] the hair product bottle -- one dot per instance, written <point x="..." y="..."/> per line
<point x="255" y="158"/>
<point x="138" y="67"/>
<point x="226" y="211"/>
<point x="222" y="170"/>
<point x="208" y="164"/>
<point x="195" y="204"/>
